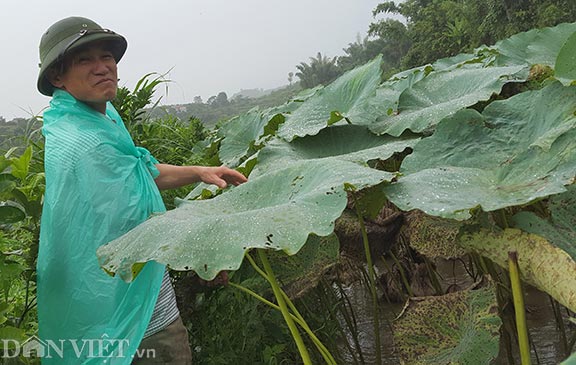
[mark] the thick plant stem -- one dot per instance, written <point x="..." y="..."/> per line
<point x="327" y="356"/>
<point x="372" y="280"/>
<point x="284" y="309"/>
<point x="323" y="350"/>
<point x="523" y="342"/>
<point x="296" y="316"/>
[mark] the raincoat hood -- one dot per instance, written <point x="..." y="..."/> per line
<point x="99" y="185"/>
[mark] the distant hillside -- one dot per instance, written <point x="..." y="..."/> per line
<point x="256" y="93"/>
<point x="13" y="133"/>
<point x="222" y="108"/>
<point x="251" y="93"/>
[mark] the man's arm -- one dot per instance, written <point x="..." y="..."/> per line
<point x="172" y="176"/>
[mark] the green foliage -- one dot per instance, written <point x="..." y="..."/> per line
<point x="228" y="326"/>
<point x="20" y="132"/>
<point x="231" y="327"/>
<point x="349" y="98"/>
<point x="530" y="141"/>
<point x="440" y="28"/>
<point x="21" y="190"/>
<point x="535" y="47"/>
<point x="389" y="38"/>
<point x="441" y="93"/>
<point x="559" y="228"/>
<point x="169" y="139"/>
<point x="130" y="104"/>
<point x="275" y="210"/>
<point x="321" y="71"/>
<point x="566" y="63"/>
<point x="213" y="114"/>
<point x="302" y="272"/>
<point x="239" y="135"/>
<point x="478" y="144"/>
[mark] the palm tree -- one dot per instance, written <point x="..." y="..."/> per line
<point x="321" y="70"/>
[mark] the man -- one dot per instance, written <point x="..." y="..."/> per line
<point x="99" y="185"/>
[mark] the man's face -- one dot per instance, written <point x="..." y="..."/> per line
<point x="91" y="76"/>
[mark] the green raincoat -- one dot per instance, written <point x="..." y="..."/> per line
<point x="99" y="185"/>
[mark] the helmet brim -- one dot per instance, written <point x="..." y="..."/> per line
<point x="117" y="45"/>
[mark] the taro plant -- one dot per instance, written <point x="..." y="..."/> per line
<point x="487" y="153"/>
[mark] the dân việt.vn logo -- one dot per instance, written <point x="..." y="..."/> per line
<point x="103" y="347"/>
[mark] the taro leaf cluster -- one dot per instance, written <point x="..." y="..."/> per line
<point x="277" y="209"/>
<point x="512" y="153"/>
<point x="480" y="140"/>
<point x="518" y="150"/>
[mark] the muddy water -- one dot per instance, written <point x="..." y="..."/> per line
<point x="547" y="341"/>
<point x="546" y="338"/>
<point x="361" y="301"/>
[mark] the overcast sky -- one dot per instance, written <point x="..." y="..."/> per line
<point x="209" y="46"/>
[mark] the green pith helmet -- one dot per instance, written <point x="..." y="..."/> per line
<point x="67" y="35"/>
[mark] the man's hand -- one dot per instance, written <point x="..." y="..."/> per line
<point x="172" y="177"/>
<point x="221" y="176"/>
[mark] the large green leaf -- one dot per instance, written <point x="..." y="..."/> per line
<point x="4" y="163"/>
<point x="7" y="185"/>
<point x="456" y="328"/>
<point x="4" y="309"/>
<point x="537" y="46"/>
<point x="347" y="97"/>
<point x="344" y="143"/>
<point x="456" y="61"/>
<point x="11" y="333"/>
<point x="560" y="230"/>
<point x="301" y="272"/>
<point x="442" y="93"/>
<point x="277" y="210"/>
<point x="385" y="101"/>
<point x="11" y="212"/>
<point x="517" y="151"/>
<point x="21" y="164"/>
<point x="565" y="68"/>
<point x="241" y="133"/>
<point x="543" y="265"/>
<point x="10" y="271"/>
<point x="238" y="134"/>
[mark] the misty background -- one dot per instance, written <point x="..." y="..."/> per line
<point x="205" y="47"/>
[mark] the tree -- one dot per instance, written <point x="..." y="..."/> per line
<point x="388" y="37"/>
<point x="442" y="28"/>
<point x="197" y="99"/>
<point x="321" y="70"/>
<point x="221" y="99"/>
